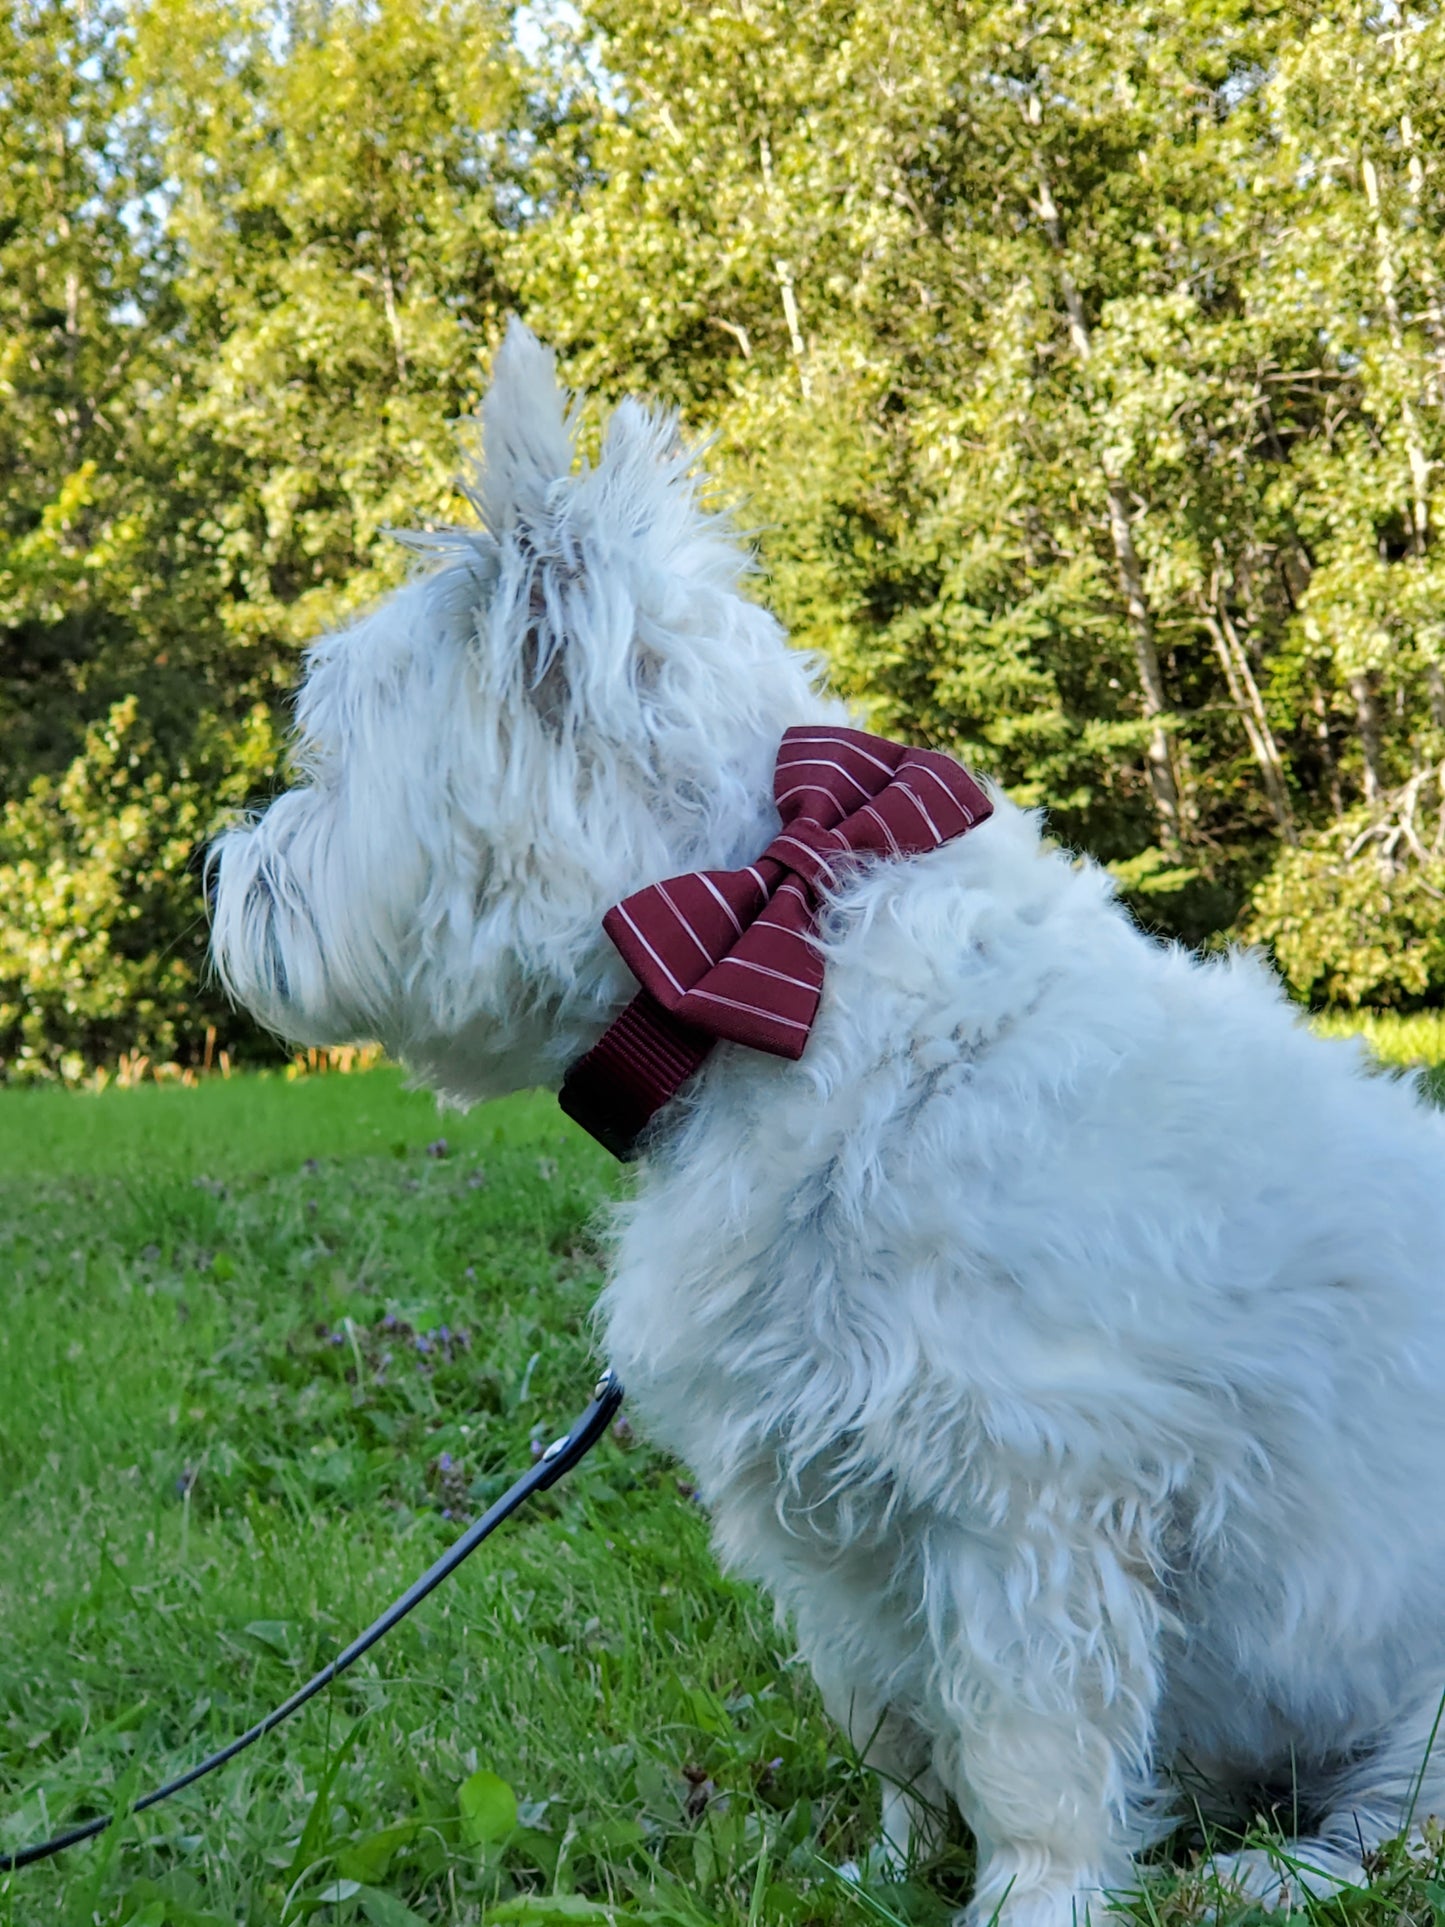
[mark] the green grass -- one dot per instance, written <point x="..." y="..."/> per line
<point x="1402" y="1042"/>
<point x="259" y="1339"/>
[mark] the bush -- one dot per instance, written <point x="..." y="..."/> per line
<point x="103" y="941"/>
<point x="1355" y="914"/>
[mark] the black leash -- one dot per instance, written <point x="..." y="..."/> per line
<point x="558" y="1459"/>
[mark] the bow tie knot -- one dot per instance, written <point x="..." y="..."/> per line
<point x="810" y="851"/>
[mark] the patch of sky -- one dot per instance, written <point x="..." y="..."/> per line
<point x="549" y="35"/>
<point x="1238" y="85"/>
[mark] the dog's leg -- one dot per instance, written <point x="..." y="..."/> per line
<point x="1398" y="1783"/>
<point x="915" y="1801"/>
<point x="1044" y="1687"/>
<point x="853" y="1630"/>
<point x="901" y="1754"/>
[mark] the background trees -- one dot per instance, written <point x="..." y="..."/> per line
<point x="294" y="221"/>
<point x="1082" y="370"/>
<point x="1084" y="384"/>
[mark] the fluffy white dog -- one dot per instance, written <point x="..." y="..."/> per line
<point x="1060" y="1341"/>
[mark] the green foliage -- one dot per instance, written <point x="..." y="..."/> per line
<point x="249" y="260"/>
<point x="102" y="913"/>
<point x="1083" y="373"/>
<point x="1356" y="914"/>
<point x="1085" y="378"/>
<point x="81" y="289"/>
<point x="1412" y="1042"/>
<point x="343" y="181"/>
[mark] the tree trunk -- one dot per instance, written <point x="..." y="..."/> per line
<point x="1164" y="788"/>
<point x="1244" y="694"/>
<point x="1367" y="715"/>
<point x="1159" y="764"/>
<point x="783" y="274"/>
<point x="1435" y="384"/>
<point x="1327" y="748"/>
<point x="1387" y="268"/>
<point x="1434" y="303"/>
<point x="1388" y="274"/>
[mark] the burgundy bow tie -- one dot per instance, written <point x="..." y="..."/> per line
<point x="729" y="954"/>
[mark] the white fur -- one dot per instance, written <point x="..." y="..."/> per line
<point x="1060" y="1342"/>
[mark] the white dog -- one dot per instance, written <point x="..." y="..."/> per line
<point x="1060" y="1341"/>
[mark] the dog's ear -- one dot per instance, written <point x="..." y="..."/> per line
<point x="638" y="503"/>
<point x="600" y="570"/>
<point x="528" y="436"/>
<point x="643" y="486"/>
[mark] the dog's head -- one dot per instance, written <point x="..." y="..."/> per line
<point x="574" y="701"/>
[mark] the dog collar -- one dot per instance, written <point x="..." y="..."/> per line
<point x="731" y="955"/>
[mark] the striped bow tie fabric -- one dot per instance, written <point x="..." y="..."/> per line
<point x="729" y="955"/>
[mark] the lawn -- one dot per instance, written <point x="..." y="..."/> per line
<point x="264" y="1343"/>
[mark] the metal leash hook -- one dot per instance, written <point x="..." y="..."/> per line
<point x="554" y="1464"/>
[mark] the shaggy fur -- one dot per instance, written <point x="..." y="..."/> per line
<point x="1060" y="1342"/>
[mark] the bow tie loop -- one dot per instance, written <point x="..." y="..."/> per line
<point x="731" y="954"/>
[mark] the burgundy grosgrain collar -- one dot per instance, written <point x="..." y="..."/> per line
<point x="730" y="955"/>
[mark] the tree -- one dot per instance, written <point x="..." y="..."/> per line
<point x="1079" y="439"/>
<point x="929" y="331"/>
<point x="1082" y="370"/>
<point x="343" y="179"/>
<point x="79" y="287"/>
<point x="304" y="261"/>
